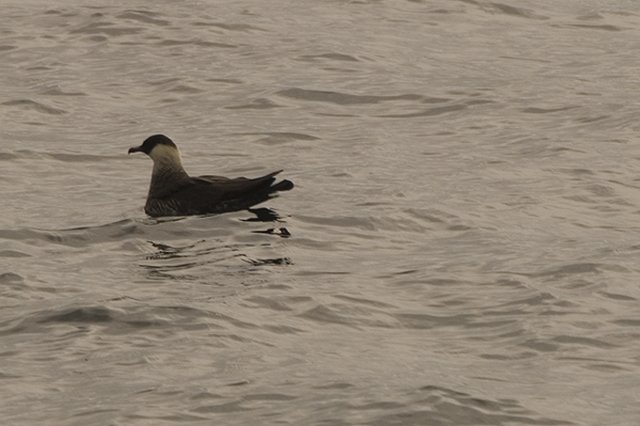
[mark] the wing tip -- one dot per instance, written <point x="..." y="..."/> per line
<point x="283" y="185"/>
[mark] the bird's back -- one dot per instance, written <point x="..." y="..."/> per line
<point x="215" y="194"/>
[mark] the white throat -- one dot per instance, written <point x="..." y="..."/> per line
<point x="165" y="158"/>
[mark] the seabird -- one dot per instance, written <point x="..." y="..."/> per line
<point x="174" y="193"/>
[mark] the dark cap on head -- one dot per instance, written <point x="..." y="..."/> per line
<point x="151" y="142"/>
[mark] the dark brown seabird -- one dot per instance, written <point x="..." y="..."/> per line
<point x="174" y="193"/>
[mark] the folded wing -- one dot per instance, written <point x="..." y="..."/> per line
<point x="217" y="194"/>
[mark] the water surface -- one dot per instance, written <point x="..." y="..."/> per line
<point x="460" y="249"/>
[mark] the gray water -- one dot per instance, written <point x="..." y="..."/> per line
<point x="464" y="231"/>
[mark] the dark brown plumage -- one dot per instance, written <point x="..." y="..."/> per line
<point x="174" y="193"/>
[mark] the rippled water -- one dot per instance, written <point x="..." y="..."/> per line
<point x="460" y="249"/>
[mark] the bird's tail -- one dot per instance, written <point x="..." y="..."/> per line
<point x="257" y="197"/>
<point x="283" y="185"/>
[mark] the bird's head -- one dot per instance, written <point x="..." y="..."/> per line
<point x="160" y="148"/>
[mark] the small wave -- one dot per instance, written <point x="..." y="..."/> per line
<point x="35" y="106"/>
<point x="143" y="16"/>
<point x="8" y="156"/>
<point x="439" y="110"/>
<point x="163" y="82"/>
<point x="352" y="222"/>
<point x="91" y="314"/>
<point x="184" y="88"/>
<point x="427" y="112"/>
<point x="324" y="314"/>
<point x="535" y="110"/>
<point x="593" y="119"/>
<point x="426" y="321"/>
<point x="10" y="277"/>
<point x="115" y="319"/>
<point x="570" y="269"/>
<point x="260" y="103"/>
<point x="74" y="237"/>
<point x="39" y="68"/>
<point x="332" y="56"/>
<point x="275" y="138"/>
<point x="56" y="91"/>
<point x="349" y="314"/>
<point x="342" y="98"/>
<point x="202" y="43"/>
<point x="364" y="301"/>
<point x="81" y="158"/>
<point x="457" y="407"/>
<point x="506" y="9"/>
<point x="175" y="85"/>
<point x="30" y="155"/>
<point x="618" y="297"/>
<point x="229" y="27"/>
<point x="583" y="341"/>
<point x="13" y="253"/>
<point x="106" y="29"/>
<point x="597" y="27"/>
<point x="412" y="220"/>
<point x="225" y="80"/>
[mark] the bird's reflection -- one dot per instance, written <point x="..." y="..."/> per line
<point x="263" y="214"/>
<point x="274" y="261"/>
<point x="193" y="260"/>
<point x="281" y="232"/>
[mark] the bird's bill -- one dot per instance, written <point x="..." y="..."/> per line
<point x="135" y="149"/>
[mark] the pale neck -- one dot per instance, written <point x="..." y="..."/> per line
<point x="167" y="165"/>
